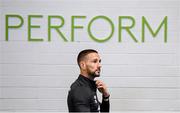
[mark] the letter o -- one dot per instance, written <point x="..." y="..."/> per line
<point x="95" y="38"/>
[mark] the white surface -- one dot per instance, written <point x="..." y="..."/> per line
<point x="35" y="76"/>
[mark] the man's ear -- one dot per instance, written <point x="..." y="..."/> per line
<point x="82" y="64"/>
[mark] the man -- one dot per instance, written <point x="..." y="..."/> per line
<point x="82" y="96"/>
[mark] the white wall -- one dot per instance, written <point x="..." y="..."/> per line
<point x="35" y="76"/>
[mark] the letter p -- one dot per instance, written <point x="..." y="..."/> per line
<point x="8" y="26"/>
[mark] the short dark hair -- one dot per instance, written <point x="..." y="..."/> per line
<point x="83" y="54"/>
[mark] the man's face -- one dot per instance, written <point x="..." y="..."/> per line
<point x="93" y="64"/>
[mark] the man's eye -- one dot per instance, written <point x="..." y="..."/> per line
<point x="94" y="61"/>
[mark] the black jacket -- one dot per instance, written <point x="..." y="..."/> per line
<point x="82" y="97"/>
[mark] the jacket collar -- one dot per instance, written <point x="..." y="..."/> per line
<point x="88" y="81"/>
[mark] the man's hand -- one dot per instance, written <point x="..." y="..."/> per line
<point x="102" y="88"/>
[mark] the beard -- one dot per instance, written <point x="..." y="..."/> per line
<point x="94" y="73"/>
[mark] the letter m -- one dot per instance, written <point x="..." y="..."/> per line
<point x="154" y="34"/>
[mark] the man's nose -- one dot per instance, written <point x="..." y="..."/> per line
<point x="100" y="65"/>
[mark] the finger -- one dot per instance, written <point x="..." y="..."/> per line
<point x="98" y="81"/>
<point x="99" y="84"/>
<point x="100" y="87"/>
